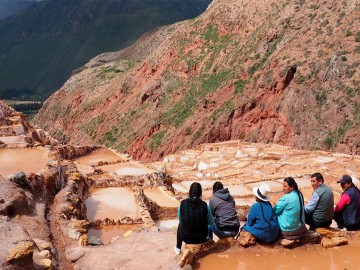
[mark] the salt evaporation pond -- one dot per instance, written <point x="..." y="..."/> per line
<point x="167" y="224"/>
<point x="126" y="169"/>
<point x="11" y="139"/>
<point x="112" y="202"/>
<point x="103" y="155"/>
<point x="27" y="160"/>
<point x="161" y="197"/>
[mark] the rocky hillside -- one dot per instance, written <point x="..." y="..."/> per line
<point x="284" y="71"/>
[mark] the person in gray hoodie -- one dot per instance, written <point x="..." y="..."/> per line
<point x="222" y="206"/>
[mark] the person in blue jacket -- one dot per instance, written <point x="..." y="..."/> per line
<point x="261" y="221"/>
<point x="194" y="216"/>
<point x="290" y="211"/>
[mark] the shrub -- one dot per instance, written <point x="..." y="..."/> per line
<point x="156" y="139"/>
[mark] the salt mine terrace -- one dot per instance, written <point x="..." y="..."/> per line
<point x="129" y="205"/>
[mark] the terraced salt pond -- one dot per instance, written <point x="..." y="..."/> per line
<point x="161" y="197"/>
<point x="112" y="202"/>
<point x="11" y="139"/>
<point x="128" y="168"/>
<point x="27" y="160"/>
<point x="100" y="155"/>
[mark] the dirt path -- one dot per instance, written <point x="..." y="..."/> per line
<point x="143" y="250"/>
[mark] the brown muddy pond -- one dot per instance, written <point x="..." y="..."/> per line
<point x="161" y="197"/>
<point x="113" y="202"/>
<point x="28" y="160"/>
<point x="107" y="233"/>
<point x="258" y="257"/>
<point x="104" y="155"/>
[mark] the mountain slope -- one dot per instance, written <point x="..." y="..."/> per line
<point x="10" y="7"/>
<point x="39" y="49"/>
<point x="276" y="71"/>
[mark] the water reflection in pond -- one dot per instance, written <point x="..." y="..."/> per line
<point x="28" y="160"/>
<point x="257" y="257"/>
<point x="107" y="233"/>
<point x="115" y="203"/>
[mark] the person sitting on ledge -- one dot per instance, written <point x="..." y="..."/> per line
<point x="194" y="217"/>
<point x="290" y="211"/>
<point x="319" y="211"/>
<point x="347" y="210"/>
<point x="222" y="206"/>
<point x="261" y="221"/>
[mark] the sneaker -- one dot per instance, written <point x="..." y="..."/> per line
<point x="177" y="250"/>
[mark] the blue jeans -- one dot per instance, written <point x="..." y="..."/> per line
<point x="221" y="233"/>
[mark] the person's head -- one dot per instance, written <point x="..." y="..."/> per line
<point x="289" y="185"/>
<point x="316" y="180"/>
<point x="195" y="190"/>
<point x="217" y="186"/>
<point x="345" y="181"/>
<point x="261" y="192"/>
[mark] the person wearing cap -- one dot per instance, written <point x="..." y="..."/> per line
<point x="222" y="206"/>
<point x="194" y="217"/>
<point x="261" y="221"/>
<point x="319" y="211"/>
<point x="290" y="211"/>
<point x="347" y="210"/>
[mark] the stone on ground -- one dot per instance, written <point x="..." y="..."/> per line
<point x="201" y="248"/>
<point x="330" y="232"/>
<point x="187" y="258"/>
<point x="246" y="239"/>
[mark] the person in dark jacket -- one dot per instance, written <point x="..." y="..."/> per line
<point x="261" y="221"/>
<point x="194" y="216"/>
<point x="222" y="206"/>
<point x="347" y="210"/>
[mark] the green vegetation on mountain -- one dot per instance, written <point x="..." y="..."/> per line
<point x="11" y="7"/>
<point x="283" y="71"/>
<point x="40" y="48"/>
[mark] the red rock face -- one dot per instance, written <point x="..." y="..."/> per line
<point x="262" y="72"/>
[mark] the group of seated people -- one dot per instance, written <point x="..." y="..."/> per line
<point x="287" y="218"/>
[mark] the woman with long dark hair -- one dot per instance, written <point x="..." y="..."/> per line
<point x="194" y="216"/>
<point x="290" y="211"/>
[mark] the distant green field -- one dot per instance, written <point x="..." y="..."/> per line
<point x="29" y="108"/>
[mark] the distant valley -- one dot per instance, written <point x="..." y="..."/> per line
<point x="41" y="47"/>
<point x="11" y="7"/>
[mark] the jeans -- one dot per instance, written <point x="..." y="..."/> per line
<point x="221" y="233"/>
<point x="314" y="224"/>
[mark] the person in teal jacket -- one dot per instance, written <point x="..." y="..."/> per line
<point x="290" y="211"/>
